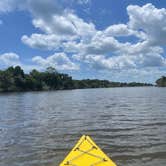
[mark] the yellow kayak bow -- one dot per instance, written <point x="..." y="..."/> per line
<point x="87" y="153"/>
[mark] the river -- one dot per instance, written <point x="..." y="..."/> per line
<point x="39" y="128"/>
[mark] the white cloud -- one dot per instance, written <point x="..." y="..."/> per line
<point x="43" y="8"/>
<point x="6" y="5"/>
<point x="73" y="35"/>
<point x="149" y="74"/>
<point x="62" y="30"/>
<point x="66" y="24"/>
<point x="83" y="1"/>
<point x="43" y="41"/>
<point x="13" y="59"/>
<point x="59" y="29"/>
<point x="9" y="59"/>
<point x="36" y="7"/>
<point x="105" y="63"/>
<point x="150" y="20"/>
<point x="101" y="44"/>
<point x="147" y="24"/>
<point x="118" y="30"/>
<point x="57" y="25"/>
<point x="11" y="5"/>
<point x="123" y="61"/>
<point x="58" y="60"/>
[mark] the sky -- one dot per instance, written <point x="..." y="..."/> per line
<point x="116" y="40"/>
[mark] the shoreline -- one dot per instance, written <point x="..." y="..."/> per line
<point x="5" y="92"/>
<point x="13" y="79"/>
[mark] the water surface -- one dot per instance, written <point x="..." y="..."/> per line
<point x="39" y="128"/>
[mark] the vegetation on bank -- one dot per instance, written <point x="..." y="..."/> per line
<point x="161" y="82"/>
<point x="14" y="79"/>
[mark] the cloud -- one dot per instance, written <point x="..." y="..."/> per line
<point x="147" y="24"/>
<point x="62" y="30"/>
<point x="7" y="5"/>
<point x="118" y="30"/>
<point x="148" y="75"/>
<point x="42" y="8"/>
<point x="123" y="62"/>
<point x="58" y="28"/>
<point x="68" y="25"/>
<point x="43" y="41"/>
<point x="36" y="7"/>
<point x="102" y="49"/>
<point x="13" y="59"/>
<point x="58" y="60"/>
<point x="76" y="2"/>
<point x="105" y="63"/>
<point x="150" y="20"/>
<point x="83" y="1"/>
<point x="101" y="44"/>
<point x="9" y="59"/>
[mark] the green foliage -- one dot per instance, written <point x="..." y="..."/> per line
<point x="51" y="70"/>
<point x="14" y="79"/>
<point x="161" y="82"/>
<point x="105" y="84"/>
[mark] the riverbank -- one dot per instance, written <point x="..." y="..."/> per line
<point x="13" y="79"/>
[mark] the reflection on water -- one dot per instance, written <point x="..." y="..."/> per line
<point x="39" y="128"/>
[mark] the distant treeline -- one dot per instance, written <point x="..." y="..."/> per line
<point x="161" y="82"/>
<point x="14" y="79"/>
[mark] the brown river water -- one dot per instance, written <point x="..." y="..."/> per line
<point x="39" y="128"/>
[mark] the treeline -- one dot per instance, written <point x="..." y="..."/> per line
<point x="161" y="82"/>
<point x="14" y="79"/>
<point x="95" y="83"/>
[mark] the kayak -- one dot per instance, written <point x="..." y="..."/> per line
<point x="87" y="153"/>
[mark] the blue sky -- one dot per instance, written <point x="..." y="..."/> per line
<point x="122" y="40"/>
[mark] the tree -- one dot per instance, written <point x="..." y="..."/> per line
<point x="14" y="79"/>
<point x="7" y="81"/>
<point x="161" y="82"/>
<point x="18" y="71"/>
<point x="51" y="70"/>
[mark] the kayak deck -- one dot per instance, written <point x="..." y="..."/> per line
<point x="87" y="153"/>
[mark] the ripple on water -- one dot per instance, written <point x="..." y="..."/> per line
<point x="39" y="128"/>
